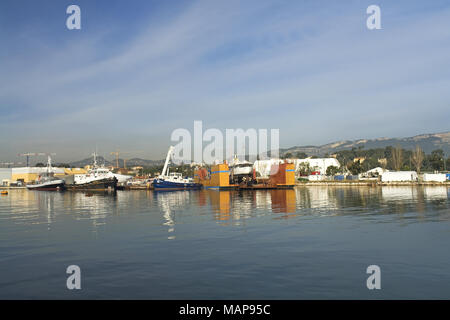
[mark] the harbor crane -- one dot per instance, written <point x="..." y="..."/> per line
<point x="117" y="152"/>
<point x="34" y="154"/>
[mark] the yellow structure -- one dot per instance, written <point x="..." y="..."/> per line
<point x="31" y="174"/>
<point x="360" y="159"/>
<point x="71" y="171"/>
<point x="284" y="176"/>
<point x="219" y="177"/>
<point x="290" y="174"/>
<point x="25" y="177"/>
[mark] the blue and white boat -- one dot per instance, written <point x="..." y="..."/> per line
<point x="173" y="180"/>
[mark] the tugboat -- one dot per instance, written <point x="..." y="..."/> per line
<point x="97" y="178"/>
<point x="174" y="180"/>
<point x="47" y="181"/>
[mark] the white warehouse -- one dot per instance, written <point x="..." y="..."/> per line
<point x="399" y="176"/>
<point x="434" y="177"/>
<point x="319" y="164"/>
<point x="262" y="167"/>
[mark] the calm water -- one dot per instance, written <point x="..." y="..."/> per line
<point x="307" y="243"/>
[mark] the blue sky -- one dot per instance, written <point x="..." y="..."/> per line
<point x="137" y="70"/>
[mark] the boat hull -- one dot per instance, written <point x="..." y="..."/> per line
<point x="54" y="186"/>
<point x="160" y="184"/>
<point x="103" y="184"/>
<point x="242" y="171"/>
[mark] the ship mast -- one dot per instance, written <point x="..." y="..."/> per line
<point x="49" y="164"/>
<point x="95" y="159"/>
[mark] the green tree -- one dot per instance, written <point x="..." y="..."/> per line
<point x="436" y="159"/>
<point x="355" y="167"/>
<point x="304" y="169"/>
<point x="301" y="155"/>
<point x="332" y="171"/>
<point x="63" y="165"/>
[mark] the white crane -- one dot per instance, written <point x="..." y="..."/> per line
<point x="166" y="164"/>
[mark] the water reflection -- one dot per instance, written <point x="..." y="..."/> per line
<point x="41" y="207"/>
<point x="169" y="203"/>
<point x="436" y="193"/>
<point x="227" y="207"/>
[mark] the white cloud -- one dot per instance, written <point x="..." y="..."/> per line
<point x="235" y="65"/>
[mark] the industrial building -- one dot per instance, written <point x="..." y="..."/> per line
<point x="399" y="176"/>
<point x="319" y="165"/>
<point x="434" y="177"/>
<point x="5" y="176"/>
<point x="30" y="174"/>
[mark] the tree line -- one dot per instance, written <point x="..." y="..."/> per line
<point x="394" y="158"/>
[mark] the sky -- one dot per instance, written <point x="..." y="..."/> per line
<point x="137" y="70"/>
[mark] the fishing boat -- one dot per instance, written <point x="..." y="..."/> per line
<point x="97" y="178"/>
<point x="173" y="180"/>
<point x="47" y="180"/>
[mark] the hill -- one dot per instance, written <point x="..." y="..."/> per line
<point x="130" y="162"/>
<point x="428" y="143"/>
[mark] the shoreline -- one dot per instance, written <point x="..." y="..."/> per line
<point x="312" y="184"/>
<point x="371" y="183"/>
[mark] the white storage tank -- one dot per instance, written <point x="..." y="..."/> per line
<point x="435" y="177"/>
<point x="399" y="176"/>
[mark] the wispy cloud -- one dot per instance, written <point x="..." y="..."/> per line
<point x="309" y="68"/>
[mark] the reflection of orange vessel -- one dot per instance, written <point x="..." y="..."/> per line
<point x="220" y="202"/>
<point x="219" y="177"/>
<point x="283" y="201"/>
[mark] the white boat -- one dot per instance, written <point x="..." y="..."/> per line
<point x="47" y="181"/>
<point x="240" y="168"/>
<point x="97" y="178"/>
<point x="173" y="180"/>
<point x="122" y="178"/>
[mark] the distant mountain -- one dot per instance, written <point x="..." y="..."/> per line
<point x="89" y="161"/>
<point x="129" y="162"/>
<point x="142" y="162"/>
<point x="428" y="143"/>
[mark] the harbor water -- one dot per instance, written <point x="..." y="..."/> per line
<point x="307" y="243"/>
